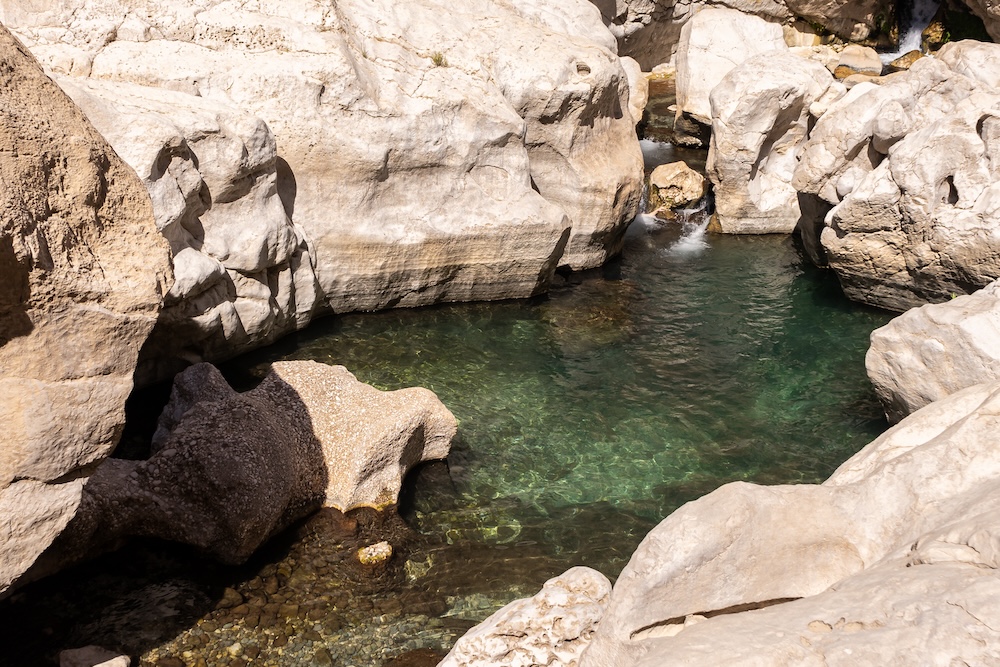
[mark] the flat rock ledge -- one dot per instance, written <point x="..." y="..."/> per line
<point x="895" y="555"/>
<point x="229" y="470"/>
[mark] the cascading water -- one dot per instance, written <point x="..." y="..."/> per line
<point x="694" y="224"/>
<point x="914" y="18"/>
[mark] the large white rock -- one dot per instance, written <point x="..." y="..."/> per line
<point x="909" y="167"/>
<point x="712" y="43"/>
<point x="930" y="352"/>
<point x="82" y="276"/>
<point x="243" y="272"/>
<point x="229" y="470"/>
<point x="552" y="628"/>
<point x="427" y="160"/>
<point x="926" y="493"/>
<point x="761" y="113"/>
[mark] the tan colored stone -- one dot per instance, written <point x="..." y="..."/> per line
<point x="905" y="61"/>
<point x="82" y="275"/>
<point x="675" y="185"/>
<point x="229" y="470"/>
<point x="857" y="59"/>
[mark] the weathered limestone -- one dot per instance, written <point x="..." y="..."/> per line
<point x="650" y="30"/>
<point x="857" y="59"/>
<point x="761" y="112"/>
<point x="675" y="185"/>
<point x="243" y="272"/>
<point x="989" y="13"/>
<point x="229" y="470"/>
<point x="712" y="43"/>
<point x="82" y="275"/>
<point x="552" y="628"/>
<point x="912" y="517"/>
<point x="933" y="351"/>
<point x="908" y="168"/>
<point x="92" y="656"/>
<point x="426" y="160"/>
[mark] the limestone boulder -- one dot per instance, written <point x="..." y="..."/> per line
<point x="933" y="351"/>
<point x="83" y="276"/>
<point x="675" y="185"/>
<point x="761" y="113"/>
<point x="712" y="43"/>
<point x="857" y="59"/>
<point x="899" y="543"/>
<point x="650" y="30"/>
<point x="989" y="14"/>
<point x="92" y="656"/>
<point x="902" y="177"/>
<point x="552" y="628"/>
<point x="243" y="272"/>
<point x="229" y="470"/>
<point x="423" y="160"/>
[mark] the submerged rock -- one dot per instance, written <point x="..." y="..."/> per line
<point x="82" y="275"/>
<point x="552" y="628"/>
<point x="933" y="351"/>
<point x="229" y="470"/>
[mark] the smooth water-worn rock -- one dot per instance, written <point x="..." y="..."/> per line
<point x="909" y="168"/>
<point x="425" y="160"/>
<point x="243" y="272"/>
<point x="761" y="113"/>
<point x="913" y="516"/>
<point x="229" y="469"/>
<point x="82" y="275"/>
<point x="675" y="185"/>
<point x="92" y="656"/>
<point x="712" y="43"/>
<point x="933" y="351"/>
<point x="552" y="628"/>
<point x="857" y="59"/>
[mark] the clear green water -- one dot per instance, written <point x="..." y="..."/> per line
<point x="599" y="409"/>
<point x="585" y="417"/>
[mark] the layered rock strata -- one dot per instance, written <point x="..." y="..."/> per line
<point x="229" y="470"/>
<point x="933" y="351"/>
<point x="417" y="160"/>
<point x="82" y="276"/>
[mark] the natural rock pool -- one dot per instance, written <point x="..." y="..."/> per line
<point x="585" y="417"/>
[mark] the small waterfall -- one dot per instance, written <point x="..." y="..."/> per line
<point x="694" y="224"/>
<point x="914" y="19"/>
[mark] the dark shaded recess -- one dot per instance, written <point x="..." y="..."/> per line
<point x="15" y="293"/>
<point x="287" y="186"/>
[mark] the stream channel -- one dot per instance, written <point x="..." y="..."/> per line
<point x="586" y="416"/>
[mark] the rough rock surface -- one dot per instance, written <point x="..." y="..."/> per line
<point x="552" y="628"/>
<point x="427" y="160"/>
<point x="712" y="43"/>
<point x="933" y="351"/>
<point x="243" y="272"/>
<point x="675" y="185"/>
<point x="82" y="275"/>
<point x="649" y="30"/>
<point x="894" y="555"/>
<point x="910" y="169"/>
<point x="761" y="112"/>
<point x="229" y="469"/>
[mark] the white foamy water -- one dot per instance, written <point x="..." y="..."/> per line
<point x="694" y="223"/>
<point x="920" y="17"/>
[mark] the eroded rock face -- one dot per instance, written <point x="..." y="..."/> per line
<point x="909" y="169"/>
<point x="675" y="185"/>
<point x="552" y="628"/>
<point x="229" y="469"/>
<point x="899" y="542"/>
<point x="243" y="272"/>
<point x="82" y="275"/>
<point x="427" y="160"/>
<point x="761" y="113"/>
<point x="650" y="30"/>
<point x="712" y="43"/>
<point x="933" y="351"/>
